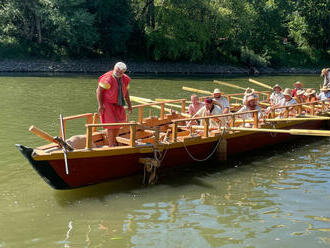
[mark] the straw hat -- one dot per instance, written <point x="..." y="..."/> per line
<point x="300" y="92"/>
<point x="276" y="86"/>
<point x="287" y="92"/>
<point x="249" y="91"/>
<point x="250" y="98"/>
<point x="324" y="88"/>
<point x="324" y="71"/>
<point x="310" y="92"/>
<point x="217" y="91"/>
<point x="296" y="83"/>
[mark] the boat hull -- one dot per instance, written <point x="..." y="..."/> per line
<point x="91" y="170"/>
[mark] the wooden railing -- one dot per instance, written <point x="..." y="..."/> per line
<point x="207" y="121"/>
<point x="90" y="118"/>
<point x="133" y="126"/>
<point x="161" y="106"/>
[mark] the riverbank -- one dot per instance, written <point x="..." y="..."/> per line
<point x="99" y="66"/>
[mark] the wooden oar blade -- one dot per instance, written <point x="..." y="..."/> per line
<point x="260" y="84"/>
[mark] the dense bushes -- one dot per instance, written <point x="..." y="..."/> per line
<point x="250" y="32"/>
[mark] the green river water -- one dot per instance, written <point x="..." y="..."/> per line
<point x="274" y="198"/>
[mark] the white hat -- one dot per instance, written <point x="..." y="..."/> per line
<point x="249" y="91"/>
<point x="325" y="88"/>
<point x="217" y="91"/>
<point x="310" y="92"/>
<point x="276" y="86"/>
<point x="287" y="92"/>
<point x="249" y="98"/>
<point x="296" y="83"/>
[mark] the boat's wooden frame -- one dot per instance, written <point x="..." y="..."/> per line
<point x="141" y="140"/>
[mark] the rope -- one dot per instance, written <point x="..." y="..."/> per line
<point x="208" y="156"/>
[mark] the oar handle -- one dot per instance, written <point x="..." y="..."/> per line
<point x="310" y="132"/>
<point x="42" y="134"/>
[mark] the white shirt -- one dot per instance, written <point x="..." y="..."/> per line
<point x="284" y="103"/>
<point x="276" y="97"/>
<point x="249" y="115"/>
<point x="222" y="101"/>
<point x="202" y="112"/>
<point x="324" y="96"/>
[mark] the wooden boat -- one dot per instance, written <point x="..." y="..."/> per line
<point x="154" y="143"/>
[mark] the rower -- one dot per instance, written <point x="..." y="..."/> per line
<point x="251" y="104"/>
<point x="221" y="100"/>
<point x="287" y="100"/>
<point x="276" y="96"/>
<point x="298" y="86"/>
<point x="210" y="109"/>
<point x="310" y="95"/>
<point x="300" y="97"/>
<point x="325" y="93"/>
<point x="195" y="105"/>
<point x="249" y="92"/>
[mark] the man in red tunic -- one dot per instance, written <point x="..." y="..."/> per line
<point x="111" y="93"/>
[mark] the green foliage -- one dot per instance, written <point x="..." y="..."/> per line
<point x="248" y="32"/>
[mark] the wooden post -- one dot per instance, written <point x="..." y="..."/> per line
<point x="140" y="114"/>
<point x="273" y="113"/>
<point x="89" y="137"/>
<point x="174" y="131"/>
<point x="89" y="119"/>
<point x="256" y="119"/>
<point x="232" y="123"/>
<point x="206" y="128"/>
<point x="313" y="109"/>
<point x="132" y="136"/>
<point x="162" y="111"/>
<point x="286" y="113"/>
<point x="150" y="112"/>
<point x="323" y="106"/>
<point x="95" y="118"/>
<point x="299" y="109"/>
<point x="222" y="150"/>
<point x="183" y="106"/>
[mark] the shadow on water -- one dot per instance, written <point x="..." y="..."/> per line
<point x="192" y="174"/>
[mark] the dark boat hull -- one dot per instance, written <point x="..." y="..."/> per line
<point x="92" y="170"/>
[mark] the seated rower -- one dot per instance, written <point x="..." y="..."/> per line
<point x="298" y="86"/>
<point x="325" y="93"/>
<point x="300" y="97"/>
<point x="276" y="96"/>
<point x="249" y="92"/>
<point x="251" y="104"/>
<point x="210" y="109"/>
<point x="221" y="100"/>
<point x="310" y="95"/>
<point x="195" y="105"/>
<point x="287" y="100"/>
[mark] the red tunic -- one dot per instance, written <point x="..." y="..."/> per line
<point x="113" y="113"/>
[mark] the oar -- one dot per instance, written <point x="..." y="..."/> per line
<point x="287" y="131"/>
<point x="321" y="118"/>
<point x="260" y="84"/>
<point x="171" y="104"/>
<point x="228" y="84"/>
<point x="163" y="99"/>
<point x="136" y="99"/>
<point x="204" y="92"/>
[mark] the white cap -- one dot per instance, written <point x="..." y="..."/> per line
<point x="217" y="91"/>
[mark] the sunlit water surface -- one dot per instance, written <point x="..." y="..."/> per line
<point x="272" y="198"/>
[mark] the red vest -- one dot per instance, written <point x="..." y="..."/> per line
<point x="111" y="95"/>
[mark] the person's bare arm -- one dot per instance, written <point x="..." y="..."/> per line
<point x="128" y="102"/>
<point x="99" y="99"/>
